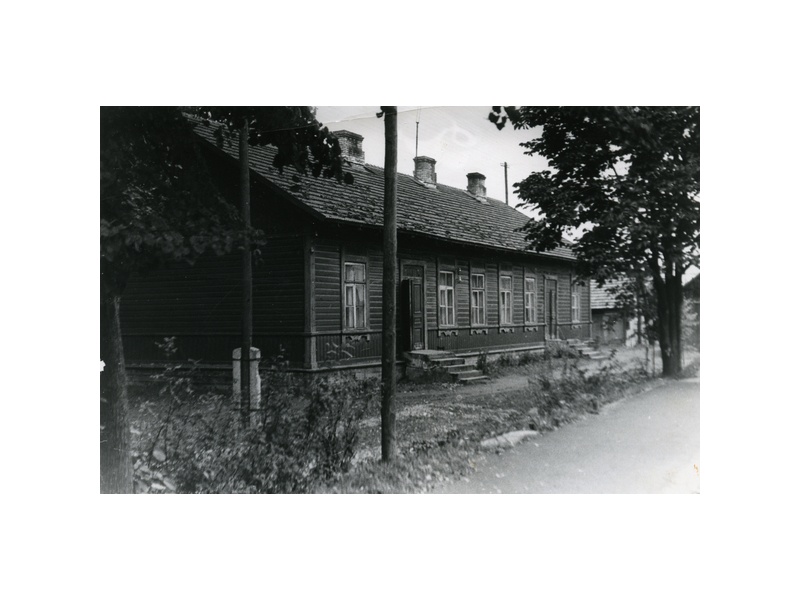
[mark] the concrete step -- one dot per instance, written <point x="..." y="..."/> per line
<point x="459" y="368"/>
<point x="469" y="374"/>
<point x="446" y="362"/>
<point x="473" y="380"/>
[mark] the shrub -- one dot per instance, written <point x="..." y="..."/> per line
<point x="304" y="433"/>
<point x="566" y="390"/>
<point x="484" y="365"/>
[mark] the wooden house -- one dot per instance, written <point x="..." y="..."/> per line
<point x="467" y="283"/>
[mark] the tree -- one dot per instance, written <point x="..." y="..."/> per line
<point x="158" y="204"/>
<point x="626" y="183"/>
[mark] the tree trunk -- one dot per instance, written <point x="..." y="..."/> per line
<point x="669" y="302"/>
<point x="116" y="470"/>
<point x="389" y="350"/>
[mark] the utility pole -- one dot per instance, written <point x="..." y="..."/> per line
<point x="505" y="170"/>
<point x="247" y="272"/>
<point x="389" y="350"/>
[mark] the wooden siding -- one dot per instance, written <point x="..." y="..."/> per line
<point x="337" y="346"/>
<point x="201" y="304"/>
<point x="328" y="285"/>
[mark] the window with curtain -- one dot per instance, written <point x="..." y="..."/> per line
<point x="530" y="299"/>
<point x="355" y="295"/>
<point x="447" y="308"/>
<point x="478" y="285"/>
<point x="576" y="307"/>
<point x="505" y="300"/>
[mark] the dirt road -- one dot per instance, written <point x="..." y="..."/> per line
<point x="648" y="443"/>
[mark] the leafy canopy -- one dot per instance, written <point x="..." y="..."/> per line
<point x="626" y="178"/>
<point x="157" y="200"/>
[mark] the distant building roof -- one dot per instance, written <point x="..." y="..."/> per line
<point x="437" y="211"/>
<point x="603" y="297"/>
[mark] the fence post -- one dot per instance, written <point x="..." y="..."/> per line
<point x="255" y="379"/>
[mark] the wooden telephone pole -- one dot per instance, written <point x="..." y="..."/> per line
<point x="389" y="349"/>
<point x="247" y="273"/>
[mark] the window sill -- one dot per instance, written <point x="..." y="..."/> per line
<point x="479" y="331"/>
<point x="506" y="329"/>
<point x="448" y="332"/>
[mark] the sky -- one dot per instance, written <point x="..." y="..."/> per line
<point x="460" y="138"/>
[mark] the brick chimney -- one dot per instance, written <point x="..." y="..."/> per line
<point x="476" y="185"/>
<point x="351" y="145"/>
<point x="425" y="170"/>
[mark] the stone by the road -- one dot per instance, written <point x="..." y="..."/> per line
<point x="509" y="439"/>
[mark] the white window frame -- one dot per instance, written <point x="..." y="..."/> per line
<point x="576" y="307"/>
<point x="506" y="303"/>
<point x="530" y="300"/>
<point x="355" y="314"/>
<point x="477" y="299"/>
<point x="447" y="299"/>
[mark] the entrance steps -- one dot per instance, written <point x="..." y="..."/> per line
<point x="586" y="349"/>
<point x="446" y="364"/>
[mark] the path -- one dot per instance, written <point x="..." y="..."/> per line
<point x="649" y="443"/>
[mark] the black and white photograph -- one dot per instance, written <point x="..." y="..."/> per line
<point x="499" y="299"/>
<point x="444" y="348"/>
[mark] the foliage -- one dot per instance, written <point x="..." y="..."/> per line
<point x="305" y="433"/>
<point x="483" y="365"/>
<point x="626" y="182"/>
<point x="566" y="390"/>
<point x="158" y="203"/>
<point x="157" y="199"/>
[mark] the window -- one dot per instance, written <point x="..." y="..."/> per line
<point x="447" y="309"/>
<point x="576" y="307"/>
<point x="505" y="300"/>
<point x="477" y="282"/>
<point x="530" y="300"/>
<point x="355" y="295"/>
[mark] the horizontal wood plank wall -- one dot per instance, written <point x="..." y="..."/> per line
<point x="200" y="305"/>
<point x="462" y="292"/>
<point x="564" y="298"/>
<point x="328" y="285"/>
<point x="375" y="288"/>
<point x="278" y="283"/>
<point x="492" y="300"/>
<point x="518" y="294"/>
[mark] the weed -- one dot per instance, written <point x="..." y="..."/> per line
<point x="303" y="434"/>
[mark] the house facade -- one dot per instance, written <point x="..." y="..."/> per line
<point x="467" y="283"/>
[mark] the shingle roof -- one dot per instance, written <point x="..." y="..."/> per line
<point x="604" y="297"/>
<point x="442" y="212"/>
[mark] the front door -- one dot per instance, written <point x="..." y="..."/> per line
<point x="412" y="308"/>
<point x="550" y="308"/>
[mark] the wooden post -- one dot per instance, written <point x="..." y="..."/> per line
<point x="505" y="171"/>
<point x="389" y="350"/>
<point x="247" y="271"/>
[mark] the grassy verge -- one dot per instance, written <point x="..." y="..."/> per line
<point x="439" y="432"/>
<point x="325" y="437"/>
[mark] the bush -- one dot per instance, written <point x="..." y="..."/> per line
<point x="304" y="433"/>
<point x="568" y="390"/>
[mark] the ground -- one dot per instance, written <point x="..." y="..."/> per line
<point x="440" y="427"/>
<point x="432" y="413"/>
<point x="648" y="443"/>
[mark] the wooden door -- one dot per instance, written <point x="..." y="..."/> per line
<point x="412" y="306"/>
<point x="551" y="308"/>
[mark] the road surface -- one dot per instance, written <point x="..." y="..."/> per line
<point x="649" y="443"/>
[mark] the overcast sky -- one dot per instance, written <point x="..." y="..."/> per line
<point x="461" y="139"/>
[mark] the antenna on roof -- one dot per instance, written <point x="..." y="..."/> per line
<point x="416" y="143"/>
<point x="505" y="169"/>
